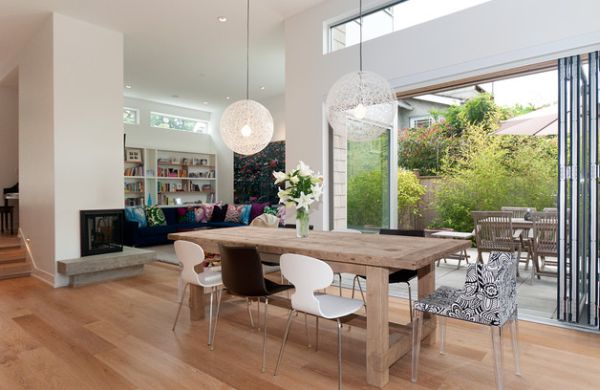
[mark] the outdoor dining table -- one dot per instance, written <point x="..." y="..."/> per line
<point x="372" y="255"/>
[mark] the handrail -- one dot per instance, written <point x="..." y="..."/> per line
<point x="25" y="242"/>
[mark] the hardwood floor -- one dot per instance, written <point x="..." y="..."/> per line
<point x="118" y="335"/>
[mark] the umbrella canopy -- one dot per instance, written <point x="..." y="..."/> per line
<point x="540" y="122"/>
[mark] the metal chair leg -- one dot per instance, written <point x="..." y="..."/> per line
<point x="306" y="329"/>
<point x="339" y="328"/>
<point x="210" y="317"/>
<point x="249" y="302"/>
<point x="362" y="294"/>
<point x="340" y="282"/>
<point x="180" y="304"/>
<point x="285" y="337"/>
<point x="410" y="302"/>
<point x="317" y="334"/>
<point x="264" y="357"/>
<point x="354" y="285"/>
<point x="214" y="329"/>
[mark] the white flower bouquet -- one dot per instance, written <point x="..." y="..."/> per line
<point x="299" y="188"/>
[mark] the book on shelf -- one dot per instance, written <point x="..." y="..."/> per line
<point x="134" y="171"/>
<point x="137" y="186"/>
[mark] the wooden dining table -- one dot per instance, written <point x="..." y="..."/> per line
<point x="373" y="255"/>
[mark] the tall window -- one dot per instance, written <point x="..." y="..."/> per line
<point x="172" y="122"/>
<point x="396" y="16"/>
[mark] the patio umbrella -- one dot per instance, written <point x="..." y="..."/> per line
<point x="540" y="123"/>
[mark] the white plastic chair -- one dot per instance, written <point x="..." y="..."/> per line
<point x="190" y="255"/>
<point x="308" y="275"/>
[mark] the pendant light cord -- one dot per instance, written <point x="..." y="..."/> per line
<point x="361" y="34"/>
<point x="247" y="49"/>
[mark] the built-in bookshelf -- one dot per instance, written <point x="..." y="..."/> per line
<point x="169" y="178"/>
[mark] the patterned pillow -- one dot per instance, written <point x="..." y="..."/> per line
<point x="272" y="210"/>
<point x="245" y="214"/>
<point x="208" y="211"/>
<point x="218" y="214"/>
<point x="198" y="214"/>
<point x="233" y="213"/>
<point x="155" y="216"/>
<point x="136" y="214"/>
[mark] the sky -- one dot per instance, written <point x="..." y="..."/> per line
<point x="538" y="89"/>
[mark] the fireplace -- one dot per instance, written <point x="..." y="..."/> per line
<point x="101" y="231"/>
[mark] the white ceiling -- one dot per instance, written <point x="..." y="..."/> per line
<point x="175" y="47"/>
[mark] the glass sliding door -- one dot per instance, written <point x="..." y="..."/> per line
<point x="578" y="190"/>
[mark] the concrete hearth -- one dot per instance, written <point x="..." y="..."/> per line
<point x="105" y="267"/>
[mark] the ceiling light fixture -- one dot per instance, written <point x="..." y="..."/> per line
<point x="222" y="19"/>
<point x="206" y="103"/>
<point x="262" y="88"/>
<point x="127" y="86"/>
<point x="227" y="97"/>
<point x="246" y="125"/>
<point x="361" y="104"/>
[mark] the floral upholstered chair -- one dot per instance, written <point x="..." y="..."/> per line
<point x="489" y="297"/>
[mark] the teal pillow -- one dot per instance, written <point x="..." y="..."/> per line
<point x="155" y="216"/>
<point x="136" y="214"/>
<point x="245" y="214"/>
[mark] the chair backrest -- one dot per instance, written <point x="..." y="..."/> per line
<point x="550" y="210"/>
<point x="402" y="232"/>
<point x="189" y="255"/>
<point x="494" y="231"/>
<point x="265" y="220"/>
<point x="242" y="271"/>
<point x="518" y="212"/>
<point x="490" y="292"/>
<point x="308" y="275"/>
<point x="545" y="233"/>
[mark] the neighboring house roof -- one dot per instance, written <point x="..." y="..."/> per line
<point x="404" y="104"/>
<point x="453" y="97"/>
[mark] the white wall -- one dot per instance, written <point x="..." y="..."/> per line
<point x="70" y="134"/>
<point x="36" y="149"/>
<point x="9" y="136"/>
<point x="276" y="105"/>
<point x="500" y="34"/>
<point x="145" y="136"/>
<point x="88" y="132"/>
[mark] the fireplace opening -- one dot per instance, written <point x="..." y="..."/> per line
<point x="101" y="231"/>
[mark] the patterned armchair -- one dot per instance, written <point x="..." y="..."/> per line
<point x="489" y="297"/>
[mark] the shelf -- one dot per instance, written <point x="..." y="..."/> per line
<point x="186" y="165"/>
<point x="185" y="192"/>
<point x="134" y="177"/>
<point x="181" y="178"/>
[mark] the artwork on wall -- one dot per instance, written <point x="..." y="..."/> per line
<point x="253" y="175"/>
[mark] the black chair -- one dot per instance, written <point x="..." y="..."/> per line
<point x="401" y="276"/>
<point x="242" y="272"/>
<point x="6" y="211"/>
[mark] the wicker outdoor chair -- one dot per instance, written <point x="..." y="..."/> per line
<point x="545" y="242"/>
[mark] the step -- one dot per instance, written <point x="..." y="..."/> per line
<point x="9" y="243"/>
<point x="15" y="255"/>
<point x="14" y="270"/>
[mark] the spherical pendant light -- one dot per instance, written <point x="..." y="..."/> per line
<point x="246" y="127"/>
<point x="361" y="104"/>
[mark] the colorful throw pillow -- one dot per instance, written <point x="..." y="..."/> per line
<point x="218" y="214"/>
<point x="198" y="214"/>
<point x="136" y="214"/>
<point x="155" y="216"/>
<point x="272" y="210"/>
<point x="245" y="214"/>
<point x="257" y="209"/>
<point x="233" y="213"/>
<point x="181" y="215"/>
<point x="190" y="216"/>
<point x="208" y="210"/>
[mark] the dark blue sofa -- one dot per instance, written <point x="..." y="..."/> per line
<point x="158" y="235"/>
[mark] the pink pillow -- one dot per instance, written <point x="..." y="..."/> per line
<point x="233" y="213"/>
<point x="208" y="210"/>
<point x="199" y="214"/>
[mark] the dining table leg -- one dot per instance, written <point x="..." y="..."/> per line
<point x="196" y="302"/>
<point x="378" y="338"/>
<point x="426" y="278"/>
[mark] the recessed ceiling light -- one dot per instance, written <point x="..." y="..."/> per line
<point x="128" y="86"/>
<point x="206" y="103"/>
<point x="227" y="97"/>
<point x="262" y="88"/>
<point x="222" y="19"/>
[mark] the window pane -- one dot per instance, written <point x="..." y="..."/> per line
<point x="368" y="184"/>
<point x="172" y="122"/>
<point x="131" y="116"/>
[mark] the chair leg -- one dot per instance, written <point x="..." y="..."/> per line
<point x="442" y="327"/>
<point x="249" y="302"/>
<point x="210" y="318"/>
<point x="362" y="294"/>
<point x="339" y="332"/>
<point x="498" y="355"/>
<point x="219" y="292"/>
<point x="354" y="285"/>
<point x="285" y="337"/>
<point x="339" y="274"/>
<point x="306" y="329"/>
<point x="514" y="332"/>
<point x="264" y="357"/>
<point x="317" y="334"/>
<point x="410" y="304"/>
<point x="179" y="308"/>
<point x="417" y="331"/>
